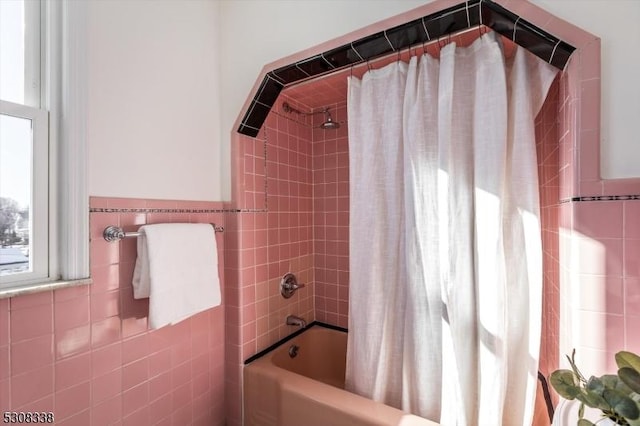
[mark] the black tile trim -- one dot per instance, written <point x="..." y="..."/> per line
<point x="331" y="326"/>
<point x="291" y="336"/>
<point x="423" y="30"/>
<point x="601" y="198"/>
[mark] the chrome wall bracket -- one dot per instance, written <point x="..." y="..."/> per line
<point x="113" y="233"/>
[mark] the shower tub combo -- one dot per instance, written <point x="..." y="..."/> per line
<point x="301" y="382"/>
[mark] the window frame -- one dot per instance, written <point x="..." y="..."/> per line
<point x="62" y="86"/>
<point x="39" y="205"/>
<point x="35" y="58"/>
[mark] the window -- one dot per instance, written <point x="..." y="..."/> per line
<point x="24" y="147"/>
<point x="30" y="144"/>
<point x="24" y="209"/>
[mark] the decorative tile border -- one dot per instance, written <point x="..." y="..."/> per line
<point x="601" y="198"/>
<point x="265" y="210"/>
<point x="153" y="210"/>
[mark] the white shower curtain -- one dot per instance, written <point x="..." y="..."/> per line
<point x="445" y="245"/>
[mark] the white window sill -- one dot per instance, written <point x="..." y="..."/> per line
<point x="38" y="287"/>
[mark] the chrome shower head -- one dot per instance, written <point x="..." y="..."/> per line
<point x="328" y="121"/>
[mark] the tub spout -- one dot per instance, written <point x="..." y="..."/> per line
<point x="294" y="320"/>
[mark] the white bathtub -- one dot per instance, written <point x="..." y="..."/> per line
<point x="308" y="390"/>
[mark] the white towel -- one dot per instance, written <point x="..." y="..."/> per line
<point x="177" y="269"/>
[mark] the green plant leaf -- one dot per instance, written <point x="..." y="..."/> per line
<point x="592" y="399"/>
<point x="610" y="381"/>
<point x="628" y="359"/>
<point x="564" y="382"/>
<point x="630" y="377"/>
<point x="621" y="404"/>
<point x="595" y="384"/>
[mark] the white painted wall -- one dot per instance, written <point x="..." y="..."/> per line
<point x="616" y="23"/>
<point x="159" y="120"/>
<point x="153" y="119"/>
<point x="257" y="32"/>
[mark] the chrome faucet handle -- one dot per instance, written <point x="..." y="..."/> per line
<point x="288" y="285"/>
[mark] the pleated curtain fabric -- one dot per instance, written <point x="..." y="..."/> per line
<point x="445" y="245"/>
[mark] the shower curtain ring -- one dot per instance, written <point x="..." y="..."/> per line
<point x="480" y="19"/>
<point x="442" y="41"/>
<point x="554" y="51"/>
<point x="515" y="29"/>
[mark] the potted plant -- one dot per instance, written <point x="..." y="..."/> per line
<point x="617" y="396"/>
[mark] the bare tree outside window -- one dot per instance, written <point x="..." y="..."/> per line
<point x="14" y="237"/>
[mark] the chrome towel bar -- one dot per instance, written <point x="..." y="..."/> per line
<point x="115" y="233"/>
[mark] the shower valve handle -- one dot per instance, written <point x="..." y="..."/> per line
<point x="288" y="285"/>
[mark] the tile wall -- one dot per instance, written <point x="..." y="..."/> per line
<point x="270" y="234"/>
<point x="590" y="241"/>
<point x="598" y="221"/>
<point x="605" y="248"/>
<point x="85" y="353"/>
<point x="331" y="218"/>
<point x="300" y="226"/>
<point x="548" y="151"/>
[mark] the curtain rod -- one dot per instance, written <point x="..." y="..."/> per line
<point x="429" y="28"/>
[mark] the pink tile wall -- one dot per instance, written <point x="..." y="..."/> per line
<point x="270" y="234"/>
<point x="282" y="237"/>
<point x="606" y="246"/>
<point x="233" y="321"/>
<point x="331" y="218"/>
<point x="606" y="249"/>
<point x="597" y="252"/>
<point x="631" y="273"/>
<point x="85" y="353"/>
<point x="548" y="152"/>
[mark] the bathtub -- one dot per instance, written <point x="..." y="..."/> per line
<point x="308" y="389"/>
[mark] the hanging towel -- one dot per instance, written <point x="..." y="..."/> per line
<point x="177" y="269"/>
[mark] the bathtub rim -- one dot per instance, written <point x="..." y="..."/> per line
<point x="292" y="336"/>
<point x="286" y="386"/>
